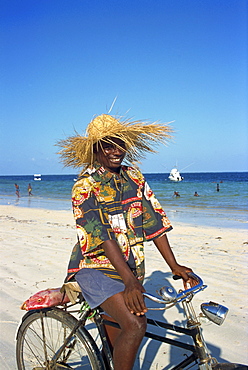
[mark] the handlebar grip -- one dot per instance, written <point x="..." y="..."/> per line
<point x="177" y="277"/>
<point x="190" y="274"/>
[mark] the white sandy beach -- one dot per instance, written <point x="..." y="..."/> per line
<point x="35" y="249"/>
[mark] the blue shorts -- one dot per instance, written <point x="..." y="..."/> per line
<point x="97" y="287"/>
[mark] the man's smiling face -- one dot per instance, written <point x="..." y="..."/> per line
<point x="111" y="156"/>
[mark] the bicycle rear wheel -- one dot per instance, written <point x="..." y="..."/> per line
<point x="41" y="335"/>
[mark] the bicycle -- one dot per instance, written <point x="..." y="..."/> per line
<point x="54" y="339"/>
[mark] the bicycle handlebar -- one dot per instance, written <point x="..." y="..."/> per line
<point x="178" y="297"/>
<point x="195" y="288"/>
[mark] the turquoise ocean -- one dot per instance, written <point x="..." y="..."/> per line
<point x="226" y="208"/>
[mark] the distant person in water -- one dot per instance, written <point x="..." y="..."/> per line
<point x="17" y="190"/>
<point x="29" y="190"/>
<point x="196" y="194"/>
<point x="217" y="187"/>
<point x="176" y="194"/>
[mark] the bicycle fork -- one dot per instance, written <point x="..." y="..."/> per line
<point x="193" y="323"/>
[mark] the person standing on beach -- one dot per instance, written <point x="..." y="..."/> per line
<point x="115" y="213"/>
<point x="29" y="190"/>
<point x="17" y="190"/>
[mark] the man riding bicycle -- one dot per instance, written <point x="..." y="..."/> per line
<point x="115" y="213"/>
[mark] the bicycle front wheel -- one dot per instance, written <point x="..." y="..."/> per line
<point x="41" y="336"/>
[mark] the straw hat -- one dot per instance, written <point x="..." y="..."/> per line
<point x="139" y="138"/>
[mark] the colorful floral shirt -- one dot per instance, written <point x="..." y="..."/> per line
<point x="108" y="206"/>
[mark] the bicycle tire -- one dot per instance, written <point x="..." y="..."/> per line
<point x="35" y="353"/>
<point x="229" y="366"/>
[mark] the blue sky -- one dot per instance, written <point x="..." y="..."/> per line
<point x="64" y="61"/>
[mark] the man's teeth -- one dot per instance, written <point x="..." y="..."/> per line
<point x="115" y="160"/>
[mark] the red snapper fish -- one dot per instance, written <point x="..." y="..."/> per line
<point x="45" y="298"/>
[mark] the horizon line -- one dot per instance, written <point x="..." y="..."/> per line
<point x="149" y="173"/>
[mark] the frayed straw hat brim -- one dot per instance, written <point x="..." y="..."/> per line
<point x="139" y="137"/>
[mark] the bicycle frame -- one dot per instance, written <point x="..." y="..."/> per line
<point x="194" y="333"/>
<point x="198" y="350"/>
<point x="190" y="332"/>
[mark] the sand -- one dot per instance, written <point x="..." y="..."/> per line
<point x="35" y="249"/>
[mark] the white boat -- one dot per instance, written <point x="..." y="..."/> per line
<point x="175" y="175"/>
<point x="37" y="177"/>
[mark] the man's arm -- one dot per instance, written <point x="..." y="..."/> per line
<point x="164" y="248"/>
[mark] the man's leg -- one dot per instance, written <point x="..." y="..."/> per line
<point x="111" y="332"/>
<point x="127" y="340"/>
